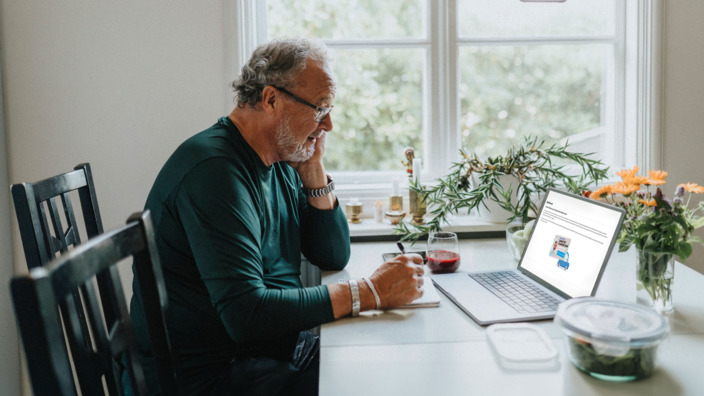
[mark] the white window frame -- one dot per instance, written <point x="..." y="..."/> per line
<point x="637" y="116"/>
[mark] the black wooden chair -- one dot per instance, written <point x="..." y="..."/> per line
<point x="44" y="328"/>
<point x="48" y="224"/>
<point x="48" y="200"/>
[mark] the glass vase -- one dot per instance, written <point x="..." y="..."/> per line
<point x="516" y="239"/>
<point x="655" y="273"/>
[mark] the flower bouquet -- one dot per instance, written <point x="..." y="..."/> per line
<point x="661" y="229"/>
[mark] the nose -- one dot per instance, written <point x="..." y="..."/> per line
<point x="326" y="123"/>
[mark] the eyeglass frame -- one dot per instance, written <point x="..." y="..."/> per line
<point x="322" y="112"/>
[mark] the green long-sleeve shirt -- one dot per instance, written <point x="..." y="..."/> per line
<point x="230" y="232"/>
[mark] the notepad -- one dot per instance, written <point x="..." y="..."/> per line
<point x="429" y="299"/>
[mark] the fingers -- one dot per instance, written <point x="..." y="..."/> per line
<point x="399" y="280"/>
<point x="415" y="258"/>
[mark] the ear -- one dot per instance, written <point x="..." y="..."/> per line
<point x="271" y="99"/>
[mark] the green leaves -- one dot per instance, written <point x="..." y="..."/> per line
<point x="665" y="228"/>
<point x="532" y="164"/>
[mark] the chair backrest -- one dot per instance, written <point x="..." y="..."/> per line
<point x="46" y="316"/>
<point x="37" y="204"/>
<point x="40" y="207"/>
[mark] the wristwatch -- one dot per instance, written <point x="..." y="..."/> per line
<point x="319" y="192"/>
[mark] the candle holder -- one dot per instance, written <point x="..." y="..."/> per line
<point x="395" y="216"/>
<point x="417" y="207"/>
<point x="396" y="203"/>
<point x="354" y="212"/>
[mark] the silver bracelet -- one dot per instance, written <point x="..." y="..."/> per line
<point x="376" y="295"/>
<point x="354" y="290"/>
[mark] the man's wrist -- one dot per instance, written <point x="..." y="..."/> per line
<point x="320" y="192"/>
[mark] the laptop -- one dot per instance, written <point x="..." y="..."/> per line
<point x="564" y="257"/>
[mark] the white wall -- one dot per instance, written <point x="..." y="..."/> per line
<point x="120" y="84"/>
<point x="9" y="343"/>
<point x="683" y="117"/>
<point x="117" y="84"/>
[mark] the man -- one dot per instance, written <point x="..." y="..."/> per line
<point x="233" y="209"/>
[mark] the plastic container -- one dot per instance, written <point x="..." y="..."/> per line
<point x="612" y="340"/>
<point x="522" y="346"/>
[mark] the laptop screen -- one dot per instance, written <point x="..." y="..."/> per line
<point x="571" y="241"/>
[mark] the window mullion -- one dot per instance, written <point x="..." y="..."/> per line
<point x="444" y="108"/>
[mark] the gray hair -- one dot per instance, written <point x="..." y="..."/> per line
<point x="278" y="62"/>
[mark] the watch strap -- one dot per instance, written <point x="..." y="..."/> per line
<point x="320" y="192"/>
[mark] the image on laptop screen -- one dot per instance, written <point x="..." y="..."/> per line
<point x="570" y="241"/>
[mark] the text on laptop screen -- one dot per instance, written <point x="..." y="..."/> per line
<point x="570" y="241"/>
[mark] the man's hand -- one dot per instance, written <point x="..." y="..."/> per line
<point x="312" y="173"/>
<point x="315" y="162"/>
<point x="399" y="280"/>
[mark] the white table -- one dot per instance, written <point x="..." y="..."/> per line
<point x="442" y="351"/>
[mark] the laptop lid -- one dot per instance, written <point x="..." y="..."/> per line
<point x="566" y="255"/>
<point x="570" y="243"/>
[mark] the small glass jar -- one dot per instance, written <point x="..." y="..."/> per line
<point x="612" y="340"/>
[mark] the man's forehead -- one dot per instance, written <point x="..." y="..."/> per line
<point x="318" y="78"/>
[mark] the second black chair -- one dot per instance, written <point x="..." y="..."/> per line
<point x="99" y="368"/>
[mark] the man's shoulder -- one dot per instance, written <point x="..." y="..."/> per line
<point x="218" y="136"/>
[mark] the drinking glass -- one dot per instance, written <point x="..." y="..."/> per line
<point x="443" y="252"/>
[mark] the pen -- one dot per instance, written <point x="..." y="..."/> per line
<point x="401" y="248"/>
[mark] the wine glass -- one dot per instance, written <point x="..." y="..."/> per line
<point x="443" y="252"/>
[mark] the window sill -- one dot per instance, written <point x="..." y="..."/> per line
<point x="466" y="227"/>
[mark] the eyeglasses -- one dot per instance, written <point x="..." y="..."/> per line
<point x="321" y="112"/>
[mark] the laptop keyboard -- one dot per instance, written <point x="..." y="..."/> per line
<point x="519" y="293"/>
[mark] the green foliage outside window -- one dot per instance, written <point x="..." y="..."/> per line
<point x="505" y="92"/>
<point x="508" y="93"/>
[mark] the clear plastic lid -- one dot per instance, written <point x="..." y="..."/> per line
<point x="521" y="342"/>
<point x="612" y="327"/>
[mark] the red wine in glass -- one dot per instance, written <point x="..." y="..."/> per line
<point x="443" y="261"/>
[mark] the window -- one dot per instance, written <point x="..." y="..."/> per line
<point x="475" y="74"/>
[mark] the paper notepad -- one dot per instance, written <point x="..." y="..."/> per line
<point x="429" y="299"/>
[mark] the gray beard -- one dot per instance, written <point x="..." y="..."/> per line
<point x="286" y="144"/>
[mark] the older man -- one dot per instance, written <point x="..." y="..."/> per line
<point x="234" y="208"/>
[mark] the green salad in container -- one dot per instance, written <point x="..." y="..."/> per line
<point x="612" y="340"/>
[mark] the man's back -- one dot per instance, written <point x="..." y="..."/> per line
<point x="228" y="230"/>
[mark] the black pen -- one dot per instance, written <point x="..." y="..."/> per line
<point x="401" y="248"/>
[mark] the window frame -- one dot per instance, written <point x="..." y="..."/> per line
<point x="636" y="117"/>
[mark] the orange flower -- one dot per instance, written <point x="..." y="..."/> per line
<point x="624" y="189"/>
<point x="628" y="172"/>
<point x="635" y="180"/>
<point x="648" y="203"/>
<point x="693" y="188"/>
<point x="657" y="177"/>
<point x="600" y="192"/>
